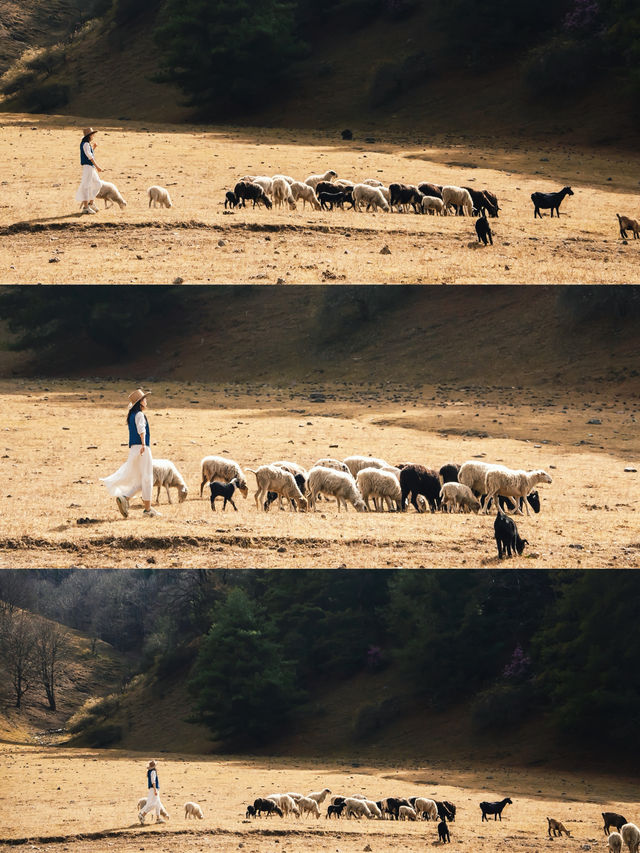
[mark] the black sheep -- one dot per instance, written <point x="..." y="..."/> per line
<point x="449" y="472"/>
<point x="223" y="490"/>
<point x="336" y="809"/>
<point x="430" y="189"/>
<point x="483" y="230"/>
<point x="443" y="832"/>
<point x="507" y="538"/>
<point x="418" y="480"/>
<point x="251" y="812"/>
<point x="263" y="805"/>
<point x="248" y="190"/>
<point x="328" y="200"/>
<point x="401" y="194"/>
<point x="533" y="499"/>
<point x="230" y="200"/>
<point x="446" y="810"/>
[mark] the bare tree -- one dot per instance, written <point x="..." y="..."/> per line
<point x="51" y="652"/>
<point x="17" y="644"/>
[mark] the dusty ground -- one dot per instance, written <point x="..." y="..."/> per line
<point x="82" y="800"/>
<point x="60" y="436"/>
<point x="46" y="240"/>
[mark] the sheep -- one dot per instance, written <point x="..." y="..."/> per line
<point x="344" y="183"/>
<point x="193" y="810"/>
<point x="159" y="196"/>
<point x="371" y="196"/>
<point x="294" y="796"/>
<point x="613" y="819"/>
<point x="614" y="842"/>
<point x="166" y="474"/>
<point x="220" y="468"/>
<point x="300" y="475"/>
<point x="624" y="222"/>
<point x="446" y="810"/>
<point x="109" y="192"/>
<point x="314" y="180"/>
<point x="373" y="807"/>
<point x="268" y="805"/>
<point x="372" y="182"/>
<point x="355" y="807"/>
<point x="286" y="178"/>
<point x="430" y="202"/>
<point x="286" y="803"/>
<point x="230" y="199"/>
<point x="337" y="809"/>
<point x="483" y="230"/>
<point x="142" y="802"/>
<point x="265" y="182"/>
<point x="495" y="808"/>
<point x="253" y="191"/>
<point x="407" y="813"/>
<point x="250" y="812"/>
<point x="458" y="198"/>
<point x="481" y="204"/>
<point x="557" y="828"/>
<point x="335" y="484"/>
<point x="474" y="475"/>
<point x="357" y="463"/>
<point x="328" y="200"/>
<point x="430" y="189"/>
<point x="403" y="195"/>
<point x="308" y="805"/>
<point x="545" y="201"/>
<point x="337" y="800"/>
<point x="418" y="480"/>
<point x="449" y="473"/>
<point x="282" y="193"/>
<point x="271" y="478"/>
<point x="306" y="193"/>
<point x="391" y="806"/>
<point x="375" y="483"/>
<point x="336" y="464"/>
<point x="506" y="536"/>
<point x="223" y="490"/>
<point x="513" y="484"/>
<point x="631" y="836"/>
<point x="319" y="796"/>
<point x="426" y="807"/>
<point x="443" y="832"/>
<point x="460" y="497"/>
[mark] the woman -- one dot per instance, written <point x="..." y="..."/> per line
<point x="90" y="183"/>
<point x="136" y="475"/>
<point x="153" y="796"/>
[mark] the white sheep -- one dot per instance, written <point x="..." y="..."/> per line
<point x="192" y="810"/>
<point x="615" y="842"/>
<point x="513" y="484"/>
<point x="159" y="196"/>
<point x="294" y="796"/>
<point x="407" y="813"/>
<point x="142" y="802"/>
<point x="423" y="805"/>
<point x="371" y="196"/>
<point x="110" y="193"/>
<point x="630" y="834"/>
<point x="343" y="182"/>
<point x="430" y="202"/>
<point x="335" y="484"/>
<point x="377" y="484"/>
<point x="166" y="474"/>
<point x="372" y="182"/>
<point x="319" y="796"/>
<point x="460" y="497"/>
<point x="373" y="808"/>
<point x="457" y="197"/>
<point x="282" y="193"/>
<point x="336" y="464"/>
<point x="357" y="808"/>
<point x="306" y="193"/>
<point x="286" y="178"/>
<point x="314" y="180"/>
<point x="308" y="805"/>
<point x="224" y="470"/>
<point x="286" y="803"/>
<point x="266" y="183"/>
<point x="357" y="463"/>
<point x="295" y="469"/>
<point x="271" y="478"/>
<point x="474" y="475"/>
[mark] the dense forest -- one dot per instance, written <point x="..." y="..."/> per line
<point x="253" y="645"/>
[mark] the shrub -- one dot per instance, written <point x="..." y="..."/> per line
<point x="98" y="707"/>
<point x="392" y="79"/>
<point x="562" y="66"/>
<point x="48" y="96"/>
<point x="370" y="718"/>
<point x="502" y="706"/>
<point x="102" y="736"/>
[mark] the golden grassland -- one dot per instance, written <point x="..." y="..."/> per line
<point x="60" y="436"/>
<point x="46" y="240"/>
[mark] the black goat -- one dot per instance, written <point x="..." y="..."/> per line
<point x="507" y="538"/>
<point x="418" y="480"/>
<point x="223" y="490"/>
<point x="613" y="819"/>
<point x="230" y="199"/>
<point x="483" y="230"/>
<point x="263" y="805"/>
<point x="544" y="201"/>
<point x="402" y="194"/>
<point x="248" y="190"/>
<point x="495" y="808"/>
<point x="443" y="832"/>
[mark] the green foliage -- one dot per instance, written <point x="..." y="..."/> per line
<point x="393" y="79"/>
<point x="562" y="66"/>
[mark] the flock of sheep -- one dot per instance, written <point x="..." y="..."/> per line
<point x="371" y="484"/>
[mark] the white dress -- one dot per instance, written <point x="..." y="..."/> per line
<point x="90" y="183"/>
<point x="136" y="475"/>
<point x="153" y="800"/>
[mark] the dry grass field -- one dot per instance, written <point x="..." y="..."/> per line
<point x="60" y="436"/>
<point x="58" y="799"/>
<point x="46" y="240"/>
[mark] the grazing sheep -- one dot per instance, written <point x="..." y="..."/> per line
<point x="223" y="490"/>
<point x="357" y="463"/>
<point x="267" y="805"/>
<point x="286" y="178"/>
<point x="403" y="195"/>
<point x="391" y="806"/>
<point x="624" y="222"/>
<point x="159" y="196"/>
<point x="443" y="832"/>
<point x="220" y="468"/>
<point x="265" y="182"/>
<point x="109" y="192"/>
<point x="418" y="480"/>
<point x="254" y="192"/>
<point x="306" y="193"/>
<point x="230" y="199"/>
<point x="377" y="484"/>
<point x="343" y="183"/>
<point x="556" y="827"/>
<point x="300" y="476"/>
<point x="474" y="475"/>
<point x="495" y="808"/>
<point x="614" y="842"/>
<point x="308" y="805"/>
<point x="355" y="807"/>
<point x="630" y="836"/>
<point x="506" y="535"/>
<point x="460" y="497"/>
<point x="329" y="200"/>
<point x="513" y="484"/>
<point x="407" y="813"/>
<point x="457" y="198"/>
<point x="430" y="189"/>
<point x="446" y="810"/>
<point x="319" y="796"/>
<point x="282" y="193"/>
<point x="193" y="810"/>
<point x="613" y="819"/>
<point x="314" y="180"/>
<point x="431" y="203"/>
<point x="336" y="464"/>
<point x="286" y="803"/>
<point x="166" y="474"/>
<point x="337" y="800"/>
<point x="493" y="207"/>
<point x="271" y="478"/>
<point x="372" y="182"/>
<point x="334" y="484"/>
<point x="449" y="473"/>
<point x="483" y="230"/>
<point x="294" y="796"/>
<point x="544" y="201"/>
<point x="426" y="807"/>
<point x="481" y="204"/>
<point x="250" y="812"/>
<point x="371" y="196"/>
<point x="337" y="809"/>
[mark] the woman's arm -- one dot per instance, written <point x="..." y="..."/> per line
<point x="142" y="430"/>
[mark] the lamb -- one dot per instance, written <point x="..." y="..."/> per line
<point x="220" y="468"/>
<point x="407" y="813"/>
<point x="250" y="812"/>
<point x="371" y="196"/>
<point x="431" y="203"/>
<point x="166" y="474"/>
<point x="249" y="190"/>
<point x="443" y="832"/>
<point x="357" y="463"/>
<point x="631" y="836"/>
<point x="193" y="810"/>
<point x="458" y="198"/>
<point x="223" y="490"/>
<point x="506" y="535"/>
<point x="337" y="809"/>
<point x="319" y="796"/>
<point x="495" y="808"/>
<point x="426" y="807"/>
<point x="483" y="230"/>
<point x="513" y="484"/>
<point x="307" y="805"/>
<point x="614" y="842"/>
<point x="159" y="196"/>
<point x="314" y="180"/>
<point x="418" y="480"/>
<point x="355" y="807"/>
<point x="335" y="484"/>
<point x="613" y="819"/>
<point x="624" y="222"/>
<point x="109" y="192"/>
<point x="271" y="478"/>
<point x="282" y="193"/>
<point x="556" y="827"/>
<point x="460" y="497"/>
<point x="230" y="199"/>
<point x="377" y="484"/>
<point x="306" y="193"/>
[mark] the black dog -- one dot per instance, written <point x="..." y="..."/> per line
<point x="506" y="534"/>
<point x="483" y="230"/>
<point x="443" y="832"/>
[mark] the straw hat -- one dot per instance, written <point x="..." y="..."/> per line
<point x="87" y="130"/>
<point x="136" y="396"/>
<point x="151" y="765"/>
